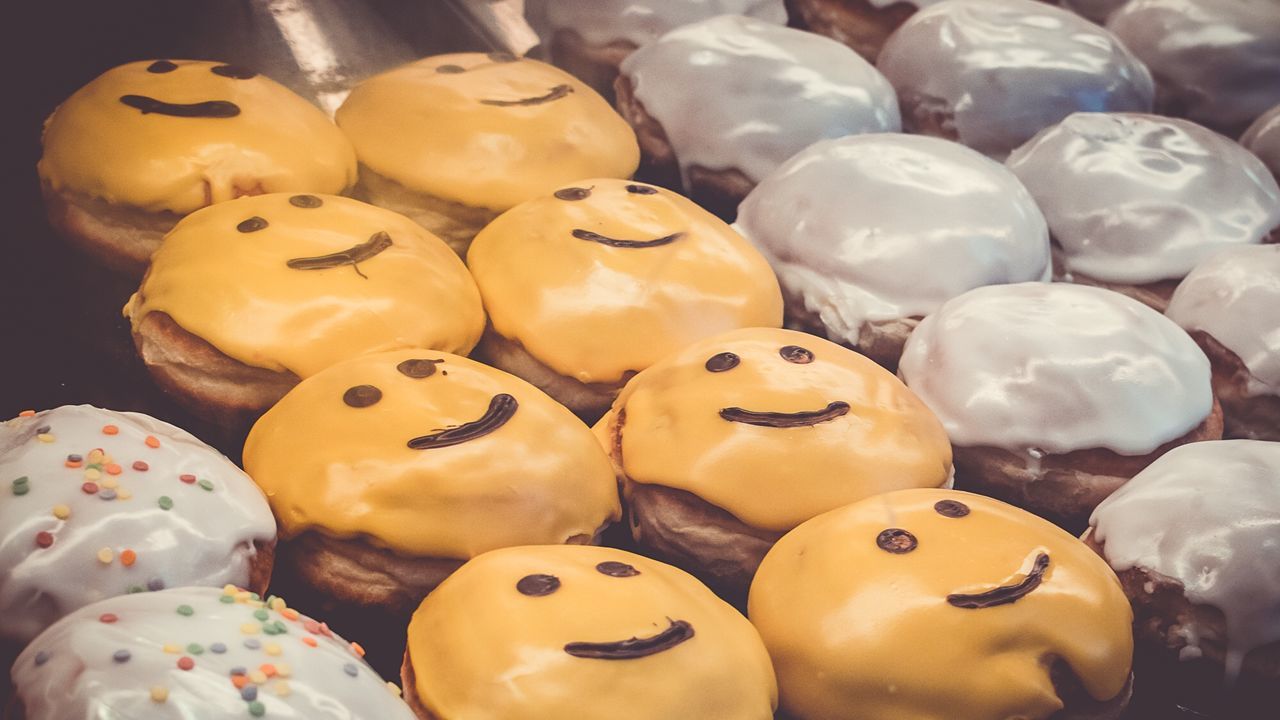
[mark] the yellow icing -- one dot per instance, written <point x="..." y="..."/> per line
<point x="348" y="471"/>
<point x="234" y="289"/>
<point x="481" y="650"/>
<point x="852" y="626"/>
<point x="431" y="132"/>
<point x="594" y="312"/>
<point x="97" y="145"/>
<point x="768" y="477"/>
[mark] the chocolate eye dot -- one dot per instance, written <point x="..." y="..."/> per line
<point x="307" y="202"/>
<point x="160" y="67"/>
<point x="641" y="190"/>
<point x="361" y="396"/>
<point x="234" y="72"/>
<point x="951" y="508"/>
<point x="612" y="568"/>
<point x="796" y="354"/>
<point x="253" y="224"/>
<point x="538" y="585"/>
<point x="450" y="69"/>
<point x="896" y="541"/>
<point x="721" y="362"/>
<point x="418" y="367"/>
<point x="502" y="57"/>
<point x="573" y="193"/>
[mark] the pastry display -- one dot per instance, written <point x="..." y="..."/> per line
<point x="941" y="605"/>
<point x="990" y="74"/>
<point x="1193" y="538"/>
<point x="558" y="632"/>
<point x="733" y="441"/>
<point x="246" y="297"/>
<point x="1135" y="201"/>
<point x="596" y="281"/>
<point x="388" y="471"/>
<point x="868" y="234"/>
<point x="863" y="25"/>
<point x="1263" y="139"/>
<point x="1230" y="304"/>
<point x="453" y="140"/>
<point x="209" y="653"/>
<point x="128" y="155"/>
<point x="1214" y="61"/>
<point x="592" y="39"/>
<point x="1054" y="395"/>
<point x="100" y="503"/>
<point x="719" y="104"/>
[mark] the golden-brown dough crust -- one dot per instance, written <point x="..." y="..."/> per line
<point x="409" y="682"/>
<point x="855" y="23"/>
<point x="261" y="565"/>
<point x="1154" y="295"/>
<point x="880" y="340"/>
<point x="1252" y="417"/>
<point x="122" y="238"/>
<point x="595" y="65"/>
<point x="454" y="222"/>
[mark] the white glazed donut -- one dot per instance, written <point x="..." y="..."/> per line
<point x="208" y="653"/>
<point x="601" y="22"/>
<point x="101" y="503"/>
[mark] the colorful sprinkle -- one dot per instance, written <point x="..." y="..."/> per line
<point x="89" y="488"/>
<point x="195" y="649"/>
<point x="207" y="485"/>
<point x="121" y="656"/>
<point x="105" y="556"/>
<point x="152" y="442"/>
<point x="112" y="469"/>
<point x="92" y="474"/>
<point x="350" y="669"/>
<point x="128" y="558"/>
<point x="27" y="413"/>
<point x="239" y="670"/>
<point x="22" y="485"/>
<point x="155" y="584"/>
<point x="108" y="618"/>
<point x="123" y="494"/>
<point x="217" y="648"/>
<point x="261" y="614"/>
<point x="239" y="681"/>
<point x="44" y="539"/>
<point x="42" y="657"/>
<point x="257" y="677"/>
<point x="107" y="494"/>
<point x="355" y="648"/>
<point x="394" y="688"/>
<point x="186" y="610"/>
<point x="186" y="663"/>
<point x="187" y="478"/>
<point x="165" y="502"/>
<point x="252" y="643"/>
<point x="62" y="512"/>
<point x="110" y="430"/>
<point x="45" y="437"/>
<point x="249" y="692"/>
<point x="140" y="466"/>
<point x="109" y="483"/>
<point x="309" y="641"/>
<point x="257" y="709"/>
<point x="159" y="694"/>
<point x="135" y="589"/>
<point x="250" y="629"/>
<point x="267" y="668"/>
<point x="281" y="688"/>
<point x="172" y="649"/>
<point x="284" y="670"/>
<point x="272" y="649"/>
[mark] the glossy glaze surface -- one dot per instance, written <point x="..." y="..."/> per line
<point x="601" y="22"/>
<point x="1263" y="139"/>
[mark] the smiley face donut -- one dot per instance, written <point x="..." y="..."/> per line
<point x="453" y="140"/>
<point x="553" y="632"/>
<point x="100" y="503"/>
<point x="1228" y="304"/>
<point x="1054" y="395"/>
<point x="209" y="653"/>
<point x="894" y="226"/>
<point x="592" y="283"/>
<point x="246" y="297"/>
<point x="416" y="461"/>
<point x="990" y="74"/>
<point x="941" y="605"/>
<point x="733" y="441"/>
<point x="1263" y="139"/>
<point x="1118" y="217"/>
<point x="146" y="143"/>
<point x="719" y="104"/>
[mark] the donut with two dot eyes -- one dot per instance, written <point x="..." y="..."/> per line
<point x="733" y="441"/>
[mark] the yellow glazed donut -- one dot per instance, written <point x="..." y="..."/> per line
<point x="453" y="140"/>
<point x="387" y="471"/>
<point x="728" y="444"/>
<point x="145" y="143"/>
<point x="246" y="297"/>
<point x="591" y="633"/>
<point x="592" y="283"/>
<point x="941" y="605"/>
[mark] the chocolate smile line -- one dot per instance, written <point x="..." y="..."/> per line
<point x="1005" y="594"/>
<point x="614" y="242"/>
<point x="552" y="95"/>
<point x="677" y="632"/>
<point x="206" y="109"/>
<point x="804" y="418"/>
<point x="501" y="408"/>
<point x="378" y="242"/>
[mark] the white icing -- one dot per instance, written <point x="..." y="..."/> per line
<point x="1216" y="61"/>
<point x="1206" y="514"/>
<point x="600" y="22"/>
<point x="1057" y="367"/>
<point x="736" y="92"/>
<point x="888" y="226"/>
<point x="1263" y="139"/>
<point x="206" y="538"/>
<point x="1235" y="297"/>
<point x="1095" y="10"/>
<point x="1006" y="69"/>
<point x="81" y="677"/>
<point x="1140" y="198"/>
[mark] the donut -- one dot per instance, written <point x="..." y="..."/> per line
<point x="1228" y="304"/>
<point x="990" y="74"/>
<point x="1054" y="395"/>
<point x="246" y="297"/>
<point x="386" y="472"/>
<point x="720" y="104"/>
<point x="733" y="441"/>
<point x="596" y="281"/>
<point x="1214" y="61"/>
<point x="197" y="652"/>
<point x="863" y="25"/>
<point x="592" y="39"/>
<point x="1135" y="201"/>
<point x="1263" y="139"/>
<point x="1193" y="539"/>
<point x="941" y="605"/>
<point x="868" y="234"/>
<point x="146" y="143"/>
<point x="453" y="140"/>
<point x="102" y="503"/>
<point x="528" y="633"/>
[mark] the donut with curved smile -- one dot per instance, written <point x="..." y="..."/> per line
<point x="352" y="256"/>
<point x="804" y="418"/>
<point x="677" y="632"/>
<point x="551" y="95"/>
<point x="614" y="242"/>
<point x="1004" y="594"/>
<point x="501" y="409"/>
<point x="207" y="109"/>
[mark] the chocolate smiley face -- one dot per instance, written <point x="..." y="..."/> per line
<point x="202" y="109"/>
<point x="575" y="194"/>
